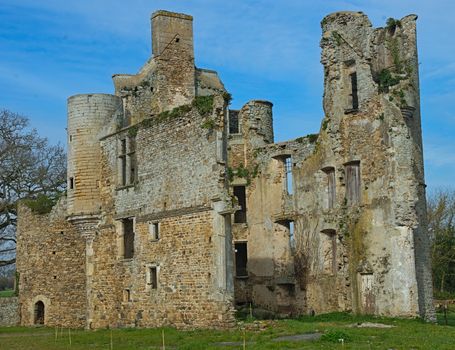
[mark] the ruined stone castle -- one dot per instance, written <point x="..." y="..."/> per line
<point x="179" y="209"/>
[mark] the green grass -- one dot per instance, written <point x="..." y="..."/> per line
<point x="407" y="334"/>
<point x="6" y="293"/>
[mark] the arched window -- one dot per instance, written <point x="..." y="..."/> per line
<point x="39" y="312"/>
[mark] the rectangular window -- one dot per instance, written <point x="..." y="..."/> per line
<point x="328" y="248"/>
<point x="289" y="224"/>
<point x="331" y="187"/>
<point x="241" y="259"/>
<point x="233" y="122"/>
<point x="127" y="295"/>
<point x="122" y="158"/>
<point x="354" y="95"/>
<point x="128" y="238"/>
<point x="71" y="184"/>
<point x="154" y="230"/>
<point x="132" y="160"/>
<point x="127" y="161"/>
<point x="352" y="170"/>
<point x="152" y="277"/>
<point x="240" y="215"/>
<point x="291" y="234"/>
<point x="288" y="174"/>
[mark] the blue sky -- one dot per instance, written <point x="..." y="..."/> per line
<point x="262" y="49"/>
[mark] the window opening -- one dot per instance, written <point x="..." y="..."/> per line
<point x="241" y="259"/>
<point x="234" y="122"/>
<point x="331" y="187"/>
<point x="122" y="158"/>
<point x="329" y="248"/>
<point x="128" y="238"/>
<point x="39" y="312"/>
<point x="291" y="234"/>
<point x="132" y="159"/>
<point x="240" y="215"/>
<point x="154" y="230"/>
<point x="127" y="159"/>
<point x="71" y="183"/>
<point x="289" y="224"/>
<point x="352" y="182"/>
<point x="288" y="174"/>
<point x="354" y="95"/>
<point x="153" y="277"/>
<point x="127" y="295"/>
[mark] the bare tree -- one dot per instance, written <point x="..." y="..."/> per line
<point x="30" y="169"/>
<point x="441" y="220"/>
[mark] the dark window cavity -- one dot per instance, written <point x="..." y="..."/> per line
<point x="132" y="159"/>
<point x="240" y="215"/>
<point x="354" y="95"/>
<point x="39" y="312"/>
<point x="127" y="295"/>
<point x="128" y="238"/>
<point x="234" y="122"/>
<point x="241" y="259"/>
<point x="153" y="277"/>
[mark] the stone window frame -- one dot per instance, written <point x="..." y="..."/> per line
<point x="240" y="216"/>
<point x="127" y="161"/>
<point x="71" y="183"/>
<point x="289" y="225"/>
<point x="31" y="308"/>
<point x="127" y="295"/>
<point x="352" y="85"/>
<point x="331" y="236"/>
<point x="353" y="184"/>
<point x="149" y="285"/>
<point x="120" y="237"/>
<point x="154" y="228"/>
<point x="246" y="275"/>
<point x="239" y="129"/>
<point x="288" y="175"/>
<point x="331" y="198"/>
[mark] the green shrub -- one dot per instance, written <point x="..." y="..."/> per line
<point x="312" y="138"/>
<point x="336" y="336"/>
<point x="208" y="124"/>
<point x="227" y="97"/>
<point x="41" y="205"/>
<point x="203" y="104"/>
<point x="392" y="24"/>
<point x="386" y="80"/>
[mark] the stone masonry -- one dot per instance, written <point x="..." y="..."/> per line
<point x="179" y="209"/>
<point x="9" y="312"/>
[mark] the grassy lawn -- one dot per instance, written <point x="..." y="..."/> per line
<point x="407" y="334"/>
<point x="6" y="293"/>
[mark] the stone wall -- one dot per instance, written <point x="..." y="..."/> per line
<point x="51" y="267"/>
<point x="9" y="312"/>
<point x="179" y="186"/>
<point x="145" y="238"/>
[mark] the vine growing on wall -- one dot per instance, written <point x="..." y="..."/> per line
<point x="244" y="173"/>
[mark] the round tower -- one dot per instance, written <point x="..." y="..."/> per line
<point x="87" y="115"/>
<point x="258" y="119"/>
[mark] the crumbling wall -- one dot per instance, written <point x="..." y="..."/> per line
<point x="379" y="131"/>
<point x="51" y="267"/>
